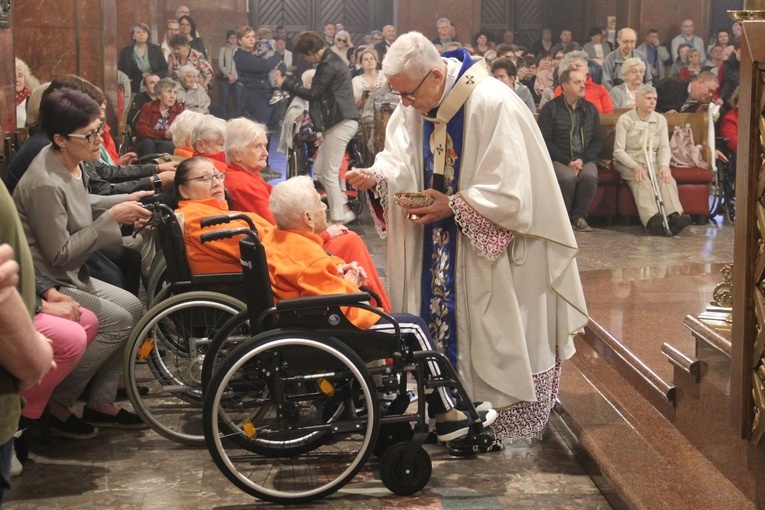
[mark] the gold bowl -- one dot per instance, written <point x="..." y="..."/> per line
<point x="413" y="200"/>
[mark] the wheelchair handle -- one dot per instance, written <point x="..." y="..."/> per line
<point x="227" y="234"/>
<point x="226" y="218"/>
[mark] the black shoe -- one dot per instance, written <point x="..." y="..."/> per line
<point x="655" y="225"/>
<point x="72" y="428"/>
<point x="479" y="406"/>
<point x="123" y="395"/>
<point x="122" y="420"/>
<point x="449" y="430"/>
<point x="677" y="222"/>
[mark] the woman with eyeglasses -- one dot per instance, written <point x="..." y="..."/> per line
<point x="64" y="226"/>
<point x="155" y="119"/>
<point x="189" y="29"/>
<point x="333" y="112"/>
<point x="198" y="193"/>
<point x="342" y="43"/>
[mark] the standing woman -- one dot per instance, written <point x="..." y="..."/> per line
<point x="25" y="84"/>
<point x="333" y="112"/>
<point x="55" y="210"/>
<point x="253" y="74"/>
<point x="371" y="77"/>
<point x="189" y="29"/>
<point x="228" y="79"/>
<point x="142" y="58"/>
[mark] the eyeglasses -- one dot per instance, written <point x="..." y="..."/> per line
<point x="342" y="40"/>
<point x="91" y="137"/>
<point x="410" y="96"/>
<point x="208" y="179"/>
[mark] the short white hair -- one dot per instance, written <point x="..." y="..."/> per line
<point x="630" y="64"/>
<point x="343" y="33"/>
<point x="290" y="199"/>
<point x="240" y="134"/>
<point x="307" y="78"/>
<point x="645" y="88"/>
<point x="443" y="20"/>
<point x="412" y="54"/>
<point x="186" y="69"/>
<point x="573" y="55"/>
<point x="182" y="127"/>
<point x="209" y="129"/>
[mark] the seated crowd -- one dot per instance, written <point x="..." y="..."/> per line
<point x="71" y="200"/>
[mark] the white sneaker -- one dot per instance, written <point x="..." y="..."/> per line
<point x="16" y="466"/>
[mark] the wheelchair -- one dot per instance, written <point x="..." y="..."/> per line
<point x="723" y="197"/>
<point x="165" y="352"/>
<point x="293" y="413"/>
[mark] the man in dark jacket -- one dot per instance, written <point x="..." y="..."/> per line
<point x="570" y="126"/>
<point x="679" y="96"/>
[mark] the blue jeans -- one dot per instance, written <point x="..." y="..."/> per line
<point x="234" y="90"/>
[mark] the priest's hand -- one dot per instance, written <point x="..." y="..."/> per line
<point x="438" y="210"/>
<point x="361" y="178"/>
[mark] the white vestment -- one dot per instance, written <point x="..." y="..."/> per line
<point x="517" y="303"/>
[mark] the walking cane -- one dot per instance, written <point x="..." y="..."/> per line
<point x="647" y="146"/>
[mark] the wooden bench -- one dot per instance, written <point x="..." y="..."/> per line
<point x="614" y="198"/>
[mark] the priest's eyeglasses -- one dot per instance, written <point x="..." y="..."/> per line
<point x="91" y="137"/>
<point x="410" y="96"/>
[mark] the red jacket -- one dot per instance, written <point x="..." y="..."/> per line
<point x="249" y="191"/>
<point x="595" y="93"/>
<point x="149" y="117"/>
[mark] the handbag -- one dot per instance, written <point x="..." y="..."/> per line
<point x="685" y="154"/>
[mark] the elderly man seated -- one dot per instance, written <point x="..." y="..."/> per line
<point x="299" y="267"/>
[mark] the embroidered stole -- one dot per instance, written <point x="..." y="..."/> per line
<point x="443" y="136"/>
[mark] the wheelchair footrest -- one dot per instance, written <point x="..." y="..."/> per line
<point x="473" y="444"/>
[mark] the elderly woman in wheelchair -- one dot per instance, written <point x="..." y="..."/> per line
<point x="293" y="413"/>
<point x="299" y="267"/>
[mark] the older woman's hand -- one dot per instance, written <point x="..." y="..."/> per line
<point x="336" y="230"/>
<point x="640" y="173"/>
<point x="665" y="174"/>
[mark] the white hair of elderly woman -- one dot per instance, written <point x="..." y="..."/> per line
<point x="645" y="88"/>
<point x="290" y="199"/>
<point x="412" y="54"/>
<point x="209" y="129"/>
<point x="240" y="134"/>
<point x="570" y="57"/>
<point x="345" y="35"/>
<point x="29" y="79"/>
<point x="632" y="63"/>
<point x="182" y="127"/>
<point x="186" y="69"/>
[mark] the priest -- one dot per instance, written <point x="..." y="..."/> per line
<point x="489" y="264"/>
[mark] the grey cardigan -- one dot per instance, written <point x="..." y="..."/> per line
<point x="58" y="213"/>
<point x="628" y="141"/>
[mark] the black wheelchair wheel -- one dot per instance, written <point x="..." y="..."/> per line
<point x="170" y="363"/>
<point x="390" y="435"/>
<point x="280" y="417"/>
<point x="402" y="479"/>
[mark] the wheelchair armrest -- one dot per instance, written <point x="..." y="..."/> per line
<point x="290" y="305"/>
<point x="372" y="294"/>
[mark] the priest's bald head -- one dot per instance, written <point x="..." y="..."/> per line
<point x="415" y="71"/>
